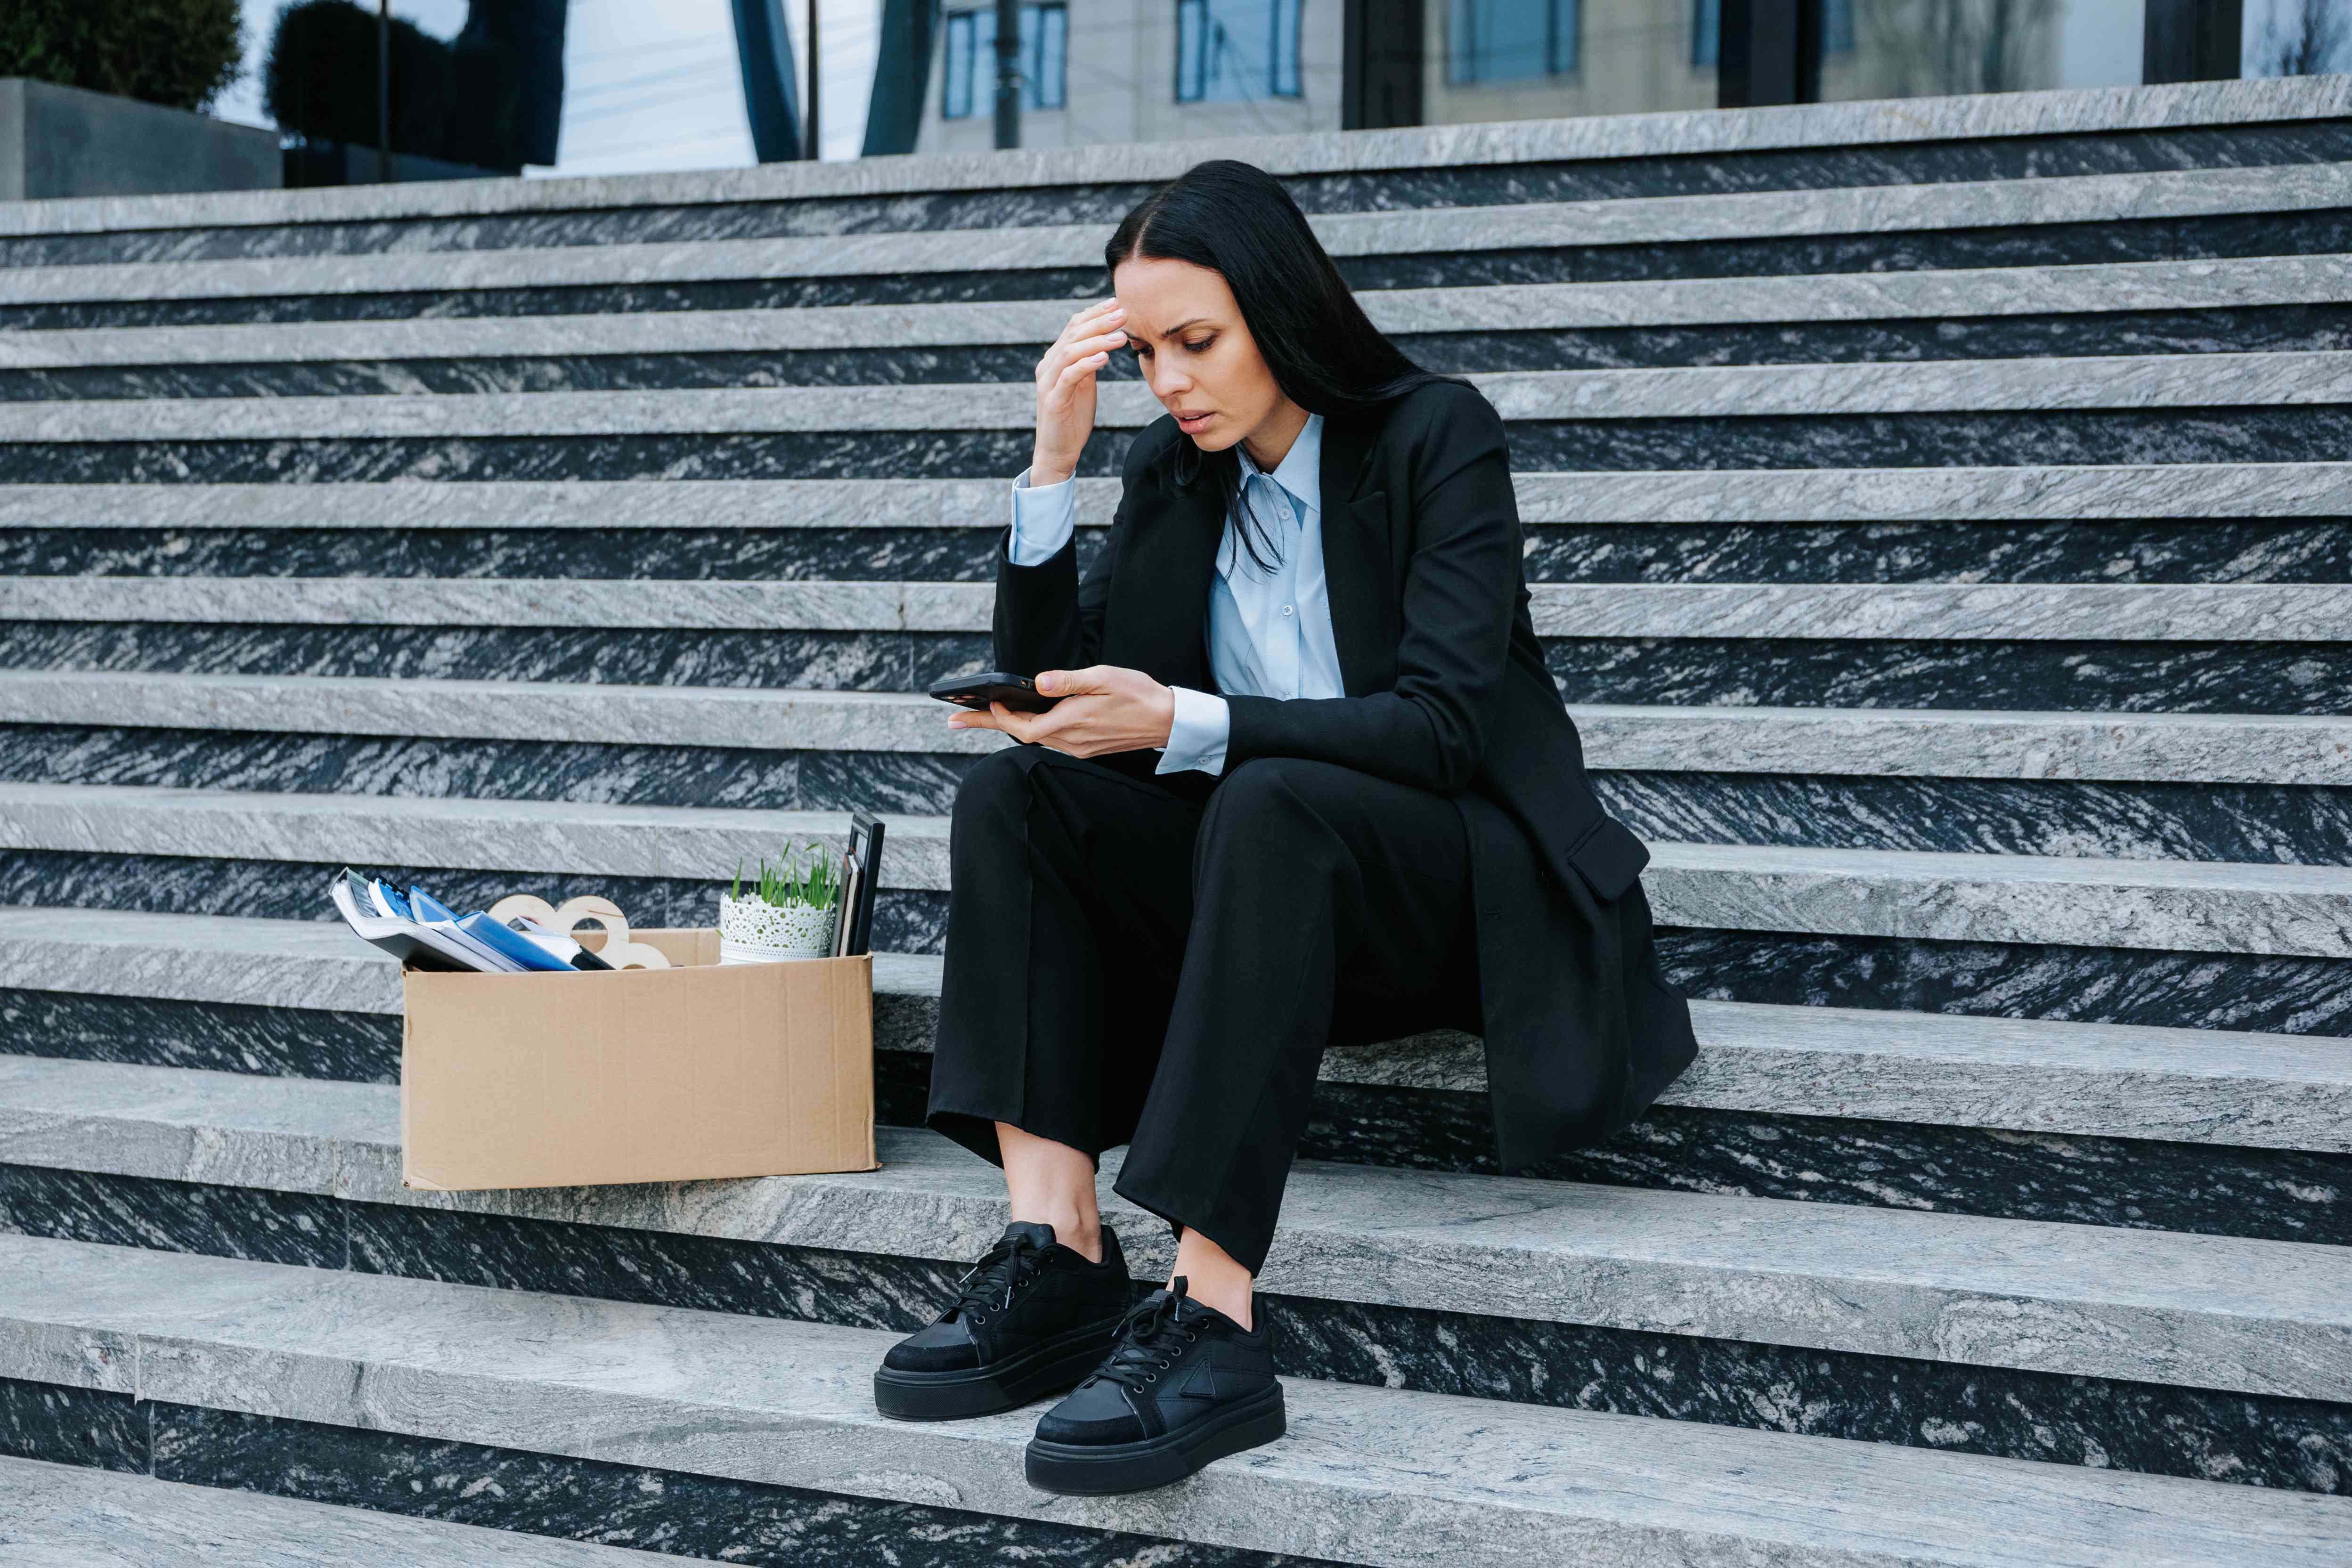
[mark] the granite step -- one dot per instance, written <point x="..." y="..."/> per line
<point x="2216" y="116"/>
<point x="1993" y="612"/>
<point x="1368" y="1475"/>
<point x="2135" y="288"/>
<point x="2203" y="1311"/>
<point x="1938" y="744"/>
<point x="2234" y="1089"/>
<point x="2086" y="493"/>
<point x="2176" y="905"/>
<point x="2141" y="1126"/>
<point x="2094" y="673"/>
<point x="2205" y="787"/>
<point x="1681" y="393"/>
<point x="75" y="1515"/>
<point x="1010" y="252"/>
<point x="1441" y="1283"/>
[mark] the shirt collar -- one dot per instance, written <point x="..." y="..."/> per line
<point x="1300" y="470"/>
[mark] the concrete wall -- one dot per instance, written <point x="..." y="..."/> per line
<point x="64" y="141"/>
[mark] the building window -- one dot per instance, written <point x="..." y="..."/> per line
<point x="1237" y="50"/>
<point x="1510" y="40"/>
<point x="1706" y="32"/>
<point x="1044" y="59"/>
<point x="1837" y="26"/>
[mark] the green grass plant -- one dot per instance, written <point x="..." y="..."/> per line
<point x="797" y="878"/>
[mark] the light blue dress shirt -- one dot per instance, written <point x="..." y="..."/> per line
<point x="1269" y="632"/>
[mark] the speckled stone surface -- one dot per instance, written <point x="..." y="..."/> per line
<point x="2024" y="493"/>
<point x="2156" y="550"/>
<point x="2287" y="824"/>
<point x="2268" y="212"/>
<point x="2239" y="1315"/>
<point x="1995" y="613"/>
<point x="2277" y="328"/>
<point x="2183" y="109"/>
<point x="674" y="1512"/>
<point x="1455" y="209"/>
<point x="397" y="1495"/>
<point x="1776" y="1106"/>
<point x="2260" y="432"/>
<point x="2153" y="748"/>
<point x="2180" y="906"/>
<point x="97" y="1428"/>
<point x="2086" y="676"/>
<point x="2298" y="1445"/>
<point x="785" y="1403"/>
<point x="800" y="344"/>
<point x="1682" y="393"/>
<point x="52" y="1515"/>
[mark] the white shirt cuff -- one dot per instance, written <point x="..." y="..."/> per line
<point x="1043" y="517"/>
<point x="1197" y="738"/>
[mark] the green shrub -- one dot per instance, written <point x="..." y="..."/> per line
<point x="319" y="79"/>
<point x="179" y="53"/>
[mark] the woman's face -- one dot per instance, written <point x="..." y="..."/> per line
<point x="1196" y="355"/>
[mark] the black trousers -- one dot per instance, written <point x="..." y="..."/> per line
<point x="1160" y="961"/>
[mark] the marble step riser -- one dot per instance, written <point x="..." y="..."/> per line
<point x="2140" y="1184"/>
<point x="120" y="1512"/>
<point x="1718" y="172"/>
<point x="2090" y="676"/>
<point x="2267" y="329"/>
<point x="2182" y="550"/>
<point x="691" y="1516"/>
<point x="2302" y="232"/>
<point x="2284" y="994"/>
<point x="2239" y="433"/>
<point x="2262" y="1441"/>
<point x="2282" y="824"/>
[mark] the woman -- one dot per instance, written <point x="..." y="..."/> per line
<point x="1367" y="815"/>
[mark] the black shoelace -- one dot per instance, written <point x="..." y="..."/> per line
<point x="994" y="1280"/>
<point x="1148" y="1340"/>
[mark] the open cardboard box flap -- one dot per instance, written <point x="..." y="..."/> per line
<point x="695" y="1071"/>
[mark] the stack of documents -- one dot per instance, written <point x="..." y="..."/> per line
<point x="417" y="928"/>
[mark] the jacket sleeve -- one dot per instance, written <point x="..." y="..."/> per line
<point x="1463" y="586"/>
<point x="1047" y="618"/>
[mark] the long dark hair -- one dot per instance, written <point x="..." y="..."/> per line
<point x="1237" y="219"/>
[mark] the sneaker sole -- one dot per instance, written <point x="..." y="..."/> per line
<point x="1087" y="1469"/>
<point x="1057" y="1364"/>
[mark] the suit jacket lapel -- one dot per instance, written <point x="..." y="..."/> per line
<point x="1159" y="594"/>
<point x="1356" y="561"/>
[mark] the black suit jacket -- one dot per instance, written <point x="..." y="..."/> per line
<point x="1446" y="688"/>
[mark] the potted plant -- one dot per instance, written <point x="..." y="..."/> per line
<point x="791" y="910"/>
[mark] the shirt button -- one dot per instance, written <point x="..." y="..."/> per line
<point x="1286" y="610"/>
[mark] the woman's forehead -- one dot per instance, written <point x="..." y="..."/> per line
<point x="1162" y="297"/>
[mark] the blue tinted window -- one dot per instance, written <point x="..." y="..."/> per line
<point x="955" y="81"/>
<point x="1837" y="26"/>
<point x="1050" y="60"/>
<point x="1509" y="40"/>
<point x="1237" y="50"/>
<point x="1706" y="32"/>
<point x="970" y="75"/>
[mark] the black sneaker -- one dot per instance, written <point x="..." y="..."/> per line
<point x="1032" y="1317"/>
<point x="1183" y="1386"/>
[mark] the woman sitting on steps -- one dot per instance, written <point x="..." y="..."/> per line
<point x="1308" y="780"/>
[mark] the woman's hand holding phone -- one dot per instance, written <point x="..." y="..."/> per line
<point x="1103" y="707"/>
<point x="1065" y="390"/>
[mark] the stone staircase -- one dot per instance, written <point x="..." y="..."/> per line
<point x="1936" y="514"/>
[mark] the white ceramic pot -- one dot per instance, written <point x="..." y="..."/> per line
<point x="754" y="931"/>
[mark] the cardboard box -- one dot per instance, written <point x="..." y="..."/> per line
<point x="697" y="1071"/>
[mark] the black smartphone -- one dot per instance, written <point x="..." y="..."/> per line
<point x="1018" y="693"/>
